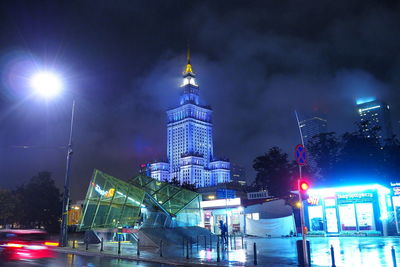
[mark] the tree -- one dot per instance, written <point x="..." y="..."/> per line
<point x="274" y="172"/>
<point x="175" y="182"/>
<point x="391" y="153"/>
<point x="40" y="203"/>
<point x="189" y="186"/>
<point x="361" y="158"/>
<point x="324" y="150"/>
<point x="8" y="202"/>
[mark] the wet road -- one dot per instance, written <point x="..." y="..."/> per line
<point x="62" y="260"/>
<point x="353" y="251"/>
<point x="349" y="251"/>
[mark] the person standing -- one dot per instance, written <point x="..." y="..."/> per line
<point x="224" y="231"/>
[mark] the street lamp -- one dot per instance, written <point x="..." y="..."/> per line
<point x="46" y="84"/>
<point x="49" y="85"/>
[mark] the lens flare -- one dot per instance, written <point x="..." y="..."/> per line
<point x="46" y="84"/>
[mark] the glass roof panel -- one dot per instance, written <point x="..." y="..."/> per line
<point x="172" y="198"/>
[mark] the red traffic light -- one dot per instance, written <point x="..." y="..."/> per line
<point x="304" y="186"/>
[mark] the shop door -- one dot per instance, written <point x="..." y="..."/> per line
<point x="331" y="220"/>
<point x="218" y="217"/>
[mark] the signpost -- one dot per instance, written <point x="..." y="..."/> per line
<point x="301" y="159"/>
<point x="301" y="155"/>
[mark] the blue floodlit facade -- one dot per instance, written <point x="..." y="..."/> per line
<point x="190" y="149"/>
<point x="346" y="210"/>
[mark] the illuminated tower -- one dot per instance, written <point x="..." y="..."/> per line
<point x="190" y="139"/>
<point x="375" y="116"/>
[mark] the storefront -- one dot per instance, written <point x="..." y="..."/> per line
<point x="396" y="204"/>
<point x="223" y="210"/>
<point x="348" y="209"/>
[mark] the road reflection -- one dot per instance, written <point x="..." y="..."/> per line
<point x="62" y="260"/>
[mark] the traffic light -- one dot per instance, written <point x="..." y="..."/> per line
<point x="303" y="189"/>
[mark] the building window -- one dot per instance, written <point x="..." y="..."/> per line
<point x="255" y="216"/>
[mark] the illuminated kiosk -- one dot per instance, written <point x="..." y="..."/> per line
<point x="113" y="205"/>
<point x="395" y="190"/>
<point x="350" y="210"/>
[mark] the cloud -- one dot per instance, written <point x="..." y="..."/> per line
<point x="255" y="62"/>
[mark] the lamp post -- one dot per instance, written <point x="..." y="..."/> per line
<point x="48" y="85"/>
<point x="64" y="219"/>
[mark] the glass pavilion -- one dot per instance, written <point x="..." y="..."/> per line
<point x="140" y="202"/>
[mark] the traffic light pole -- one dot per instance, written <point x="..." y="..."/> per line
<point x="305" y="252"/>
<point x="304" y="241"/>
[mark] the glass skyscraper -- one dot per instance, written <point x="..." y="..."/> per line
<point x="312" y="127"/>
<point x="190" y="150"/>
<point x="375" y="116"/>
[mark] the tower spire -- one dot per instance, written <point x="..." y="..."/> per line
<point x="188" y="68"/>
<point x="188" y="53"/>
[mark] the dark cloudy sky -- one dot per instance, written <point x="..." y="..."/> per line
<point x="256" y="62"/>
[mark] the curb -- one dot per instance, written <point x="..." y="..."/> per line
<point x="135" y="258"/>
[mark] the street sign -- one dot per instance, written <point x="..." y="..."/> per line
<point x="301" y="155"/>
<point x="223" y="193"/>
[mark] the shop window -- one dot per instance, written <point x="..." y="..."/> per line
<point x="348" y="217"/>
<point x="255" y="216"/>
<point x="316" y="218"/>
<point x="365" y="216"/>
<point x="329" y="202"/>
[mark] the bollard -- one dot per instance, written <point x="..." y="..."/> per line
<point x="160" y="247"/>
<point x="87" y="245"/>
<point x="205" y="242"/>
<point x="394" y="257"/>
<point x="119" y="246"/>
<point x="137" y="249"/>
<point x="333" y="256"/>
<point x="183" y="246"/>
<point x="197" y="243"/>
<point x="234" y="241"/>
<point x="73" y="244"/>
<point x="218" y="257"/>
<point x="191" y="246"/>
<point x="187" y="249"/>
<point x="255" y="253"/>
<point x="101" y="244"/>
<point x="242" y="242"/>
